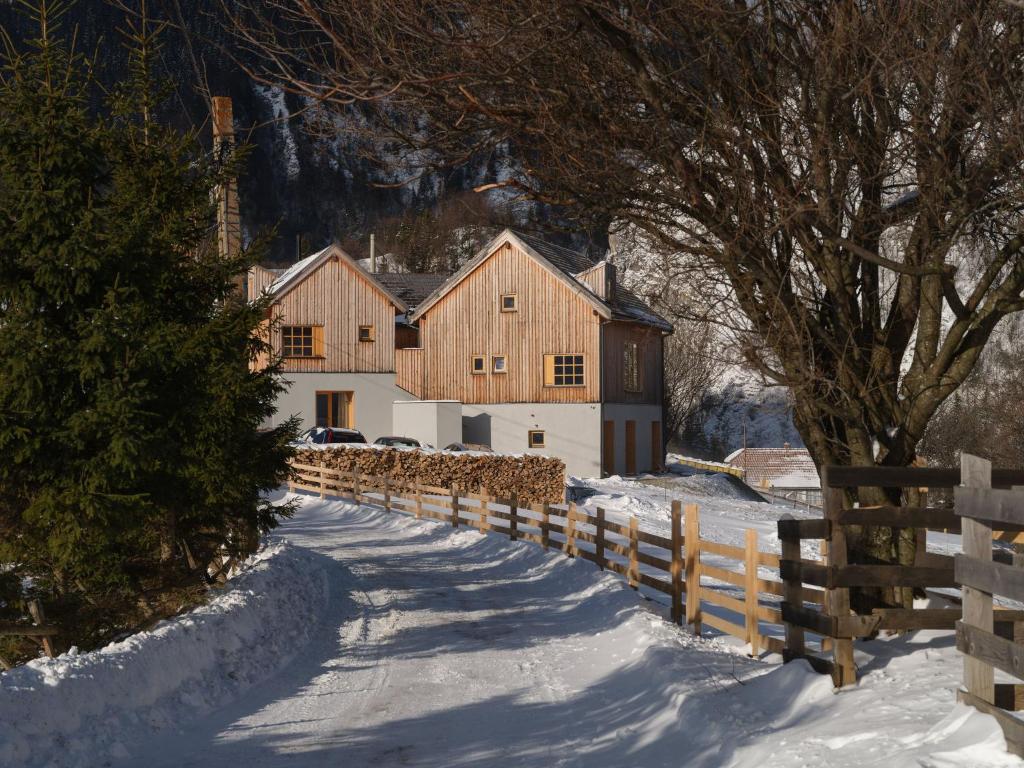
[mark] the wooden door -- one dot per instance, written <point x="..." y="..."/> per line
<point x="656" y="450"/>
<point x="608" y="448"/>
<point x="630" y="447"/>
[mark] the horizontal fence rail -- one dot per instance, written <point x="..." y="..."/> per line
<point x="735" y="590"/>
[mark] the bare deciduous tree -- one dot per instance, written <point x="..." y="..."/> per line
<point x="846" y="175"/>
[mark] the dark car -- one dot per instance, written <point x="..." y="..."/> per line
<point x="325" y="435"/>
<point x="398" y="442"/>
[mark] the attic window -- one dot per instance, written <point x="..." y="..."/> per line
<point x="366" y="333"/>
<point x="479" y="364"/>
<point x="508" y="302"/>
<point x="536" y="439"/>
<point x="498" y="364"/>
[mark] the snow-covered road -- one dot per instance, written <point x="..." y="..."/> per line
<point x="447" y="648"/>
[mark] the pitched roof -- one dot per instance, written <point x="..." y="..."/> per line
<point x="765" y="466"/>
<point x="566" y="264"/>
<point x="410" y="287"/>
<point x="300" y="270"/>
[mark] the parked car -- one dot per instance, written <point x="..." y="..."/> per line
<point x="325" y="435"/>
<point x="468" y="447"/>
<point x="398" y="442"/>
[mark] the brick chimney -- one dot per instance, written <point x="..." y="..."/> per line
<point x="229" y="222"/>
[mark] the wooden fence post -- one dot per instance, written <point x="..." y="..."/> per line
<point x="692" y="562"/>
<point x="599" y="538"/>
<point x="634" y="549"/>
<point x="979" y="677"/>
<point x="750" y="587"/>
<point x="570" y="530"/>
<point x="455" y="506"/>
<point x="419" y="502"/>
<point x="356" y="495"/>
<point x="545" y="521"/>
<point x="837" y="601"/>
<point x="792" y="593"/>
<point x="676" y="572"/>
<point x="320" y="476"/>
<point x="387" y="493"/>
<point x="513" y="516"/>
<point x="35" y="609"/>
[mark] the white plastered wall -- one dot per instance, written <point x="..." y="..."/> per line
<point x="572" y="432"/>
<point x="374" y="396"/>
<point x="434" y="422"/>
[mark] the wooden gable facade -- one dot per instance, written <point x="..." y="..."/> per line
<point x="351" y="316"/>
<point x="498" y="330"/>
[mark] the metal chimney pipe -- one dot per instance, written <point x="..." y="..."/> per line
<point x="373" y="254"/>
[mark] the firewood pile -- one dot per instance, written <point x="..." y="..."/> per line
<point x="532" y="479"/>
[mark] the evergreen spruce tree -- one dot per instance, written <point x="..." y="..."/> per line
<point x="130" y="403"/>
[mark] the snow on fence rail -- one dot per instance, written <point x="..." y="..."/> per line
<point x="742" y="603"/>
<point x="709" y="466"/>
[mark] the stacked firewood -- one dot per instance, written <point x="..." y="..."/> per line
<point x="532" y="479"/>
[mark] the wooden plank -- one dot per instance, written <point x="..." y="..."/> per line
<point x="803" y="529"/>
<point x="916" y="618"/>
<point x="723" y="625"/>
<point x="792" y="590"/>
<point x="769" y="559"/>
<point x="724" y="550"/>
<point x="599" y="543"/>
<point x="989" y="648"/>
<point x="35" y="610"/>
<point x="750" y="591"/>
<point x="725" y="601"/>
<point x="620" y="568"/>
<point x="1010" y="696"/>
<point x="656" y="584"/>
<point x="837" y="601"/>
<point x="979" y="678"/>
<point x="990" y="577"/>
<point x="654" y="539"/>
<point x="892" y="575"/>
<point x="722" y="574"/>
<point x="936" y="518"/>
<point x="634" y="551"/>
<point x="767" y="614"/>
<point x="806" y="618"/>
<point x="654" y="562"/>
<point x="912" y="477"/>
<point x="773" y="644"/>
<point x="1000" y="506"/>
<point x="691" y="564"/>
<point x="616" y="528"/>
<point x="676" y="571"/>
<point x="28" y="630"/>
<point x="1012" y="727"/>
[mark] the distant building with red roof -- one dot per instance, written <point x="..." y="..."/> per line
<point x="784" y="471"/>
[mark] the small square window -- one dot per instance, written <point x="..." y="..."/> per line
<point x="508" y="302"/>
<point x="479" y="364"/>
<point x="536" y="438"/>
<point x="366" y="333"/>
<point x="498" y="364"/>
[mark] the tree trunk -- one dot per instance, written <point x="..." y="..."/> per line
<point x="168" y="537"/>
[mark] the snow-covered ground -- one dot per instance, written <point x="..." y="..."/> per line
<point x="442" y="647"/>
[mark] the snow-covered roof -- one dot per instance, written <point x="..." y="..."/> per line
<point x="797" y="480"/>
<point x="765" y="466"/>
<point x="290" y="274"/>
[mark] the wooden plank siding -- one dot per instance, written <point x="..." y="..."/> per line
<point x="409" y="371"/>
<point x="259" y="278"/>
<point x="650" y="344"/>
<point x="340" y="299"/>
<point x="550" y="319"/>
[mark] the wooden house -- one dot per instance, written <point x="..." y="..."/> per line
<point x="530" y="347"/>
<point x="547" y="353"/>
<point x="334" y="325"/>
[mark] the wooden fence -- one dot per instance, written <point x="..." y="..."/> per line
<point x="39" y="631"/>
<point x="710" y="466"/>
<point x="734" y="593"/>
<point x="837" y="576"/>
<point x="987" y="646"/>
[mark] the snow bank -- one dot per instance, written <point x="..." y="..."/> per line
<point x="76" y="709"/>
